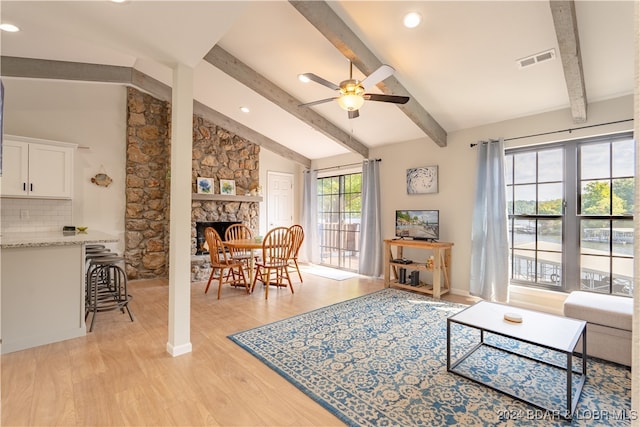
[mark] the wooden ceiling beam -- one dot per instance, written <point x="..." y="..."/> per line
<point x="566" y="25"/>
<point x="75" y="71"/>
<point x="321" y="16"/>
<point x="224" y="61"/>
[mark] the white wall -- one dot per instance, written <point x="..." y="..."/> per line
<point x="90" y="115"/>
<point x="457" y="167"/>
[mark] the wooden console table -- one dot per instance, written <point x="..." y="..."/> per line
<point x="440" y="267"/>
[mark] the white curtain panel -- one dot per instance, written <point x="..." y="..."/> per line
<point x="310" y="249"/>
<point x="371" y="260"/>
<point x="489" y="236"/>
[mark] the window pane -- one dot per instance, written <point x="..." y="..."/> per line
<point x="622" y="276"/>
<point x="508" y="169"/>
<point x="525" y="199"/>
<point x="524" y="165"/>
<point x="550" y="199"/>
<point x="594" y="237"/>
<point x="509" y="199"/>
<point x="550" y="234"/>
<point x="595" y="198"/>
<point x="549" y="268"/>
<point x="623" y="196"/>
<point x="623" y="238"/>
<point x="594" y="273"/>
<point x="594" y="161"/>
<point x="523" y="266"/>
<point x="623" y="158"/>
<point x="550" y="165"/>
<point x="524" y="234"/>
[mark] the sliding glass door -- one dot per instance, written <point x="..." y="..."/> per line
<point x="339" y="212"/>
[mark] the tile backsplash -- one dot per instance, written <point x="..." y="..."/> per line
<point x="35" y="214"/>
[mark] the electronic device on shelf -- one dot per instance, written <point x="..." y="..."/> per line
<point x="418" y="224"/>
<point x="402" y="261"/>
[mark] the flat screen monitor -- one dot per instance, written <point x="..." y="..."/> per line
<point x="418" y="224"/>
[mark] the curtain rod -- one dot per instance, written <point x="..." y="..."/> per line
<point x="560" y="131"/>
<point x="344" y="166"/>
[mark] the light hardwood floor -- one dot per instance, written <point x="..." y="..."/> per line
<point x="120" y="374"/>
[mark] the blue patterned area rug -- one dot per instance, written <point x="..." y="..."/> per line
<point x="380" y="359"/>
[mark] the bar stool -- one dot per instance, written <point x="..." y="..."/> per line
<point x="106" y="286"/>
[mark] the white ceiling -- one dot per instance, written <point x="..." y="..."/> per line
<point x="460" y="64"/>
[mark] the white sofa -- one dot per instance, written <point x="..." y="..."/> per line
<point x="609" y="319"/>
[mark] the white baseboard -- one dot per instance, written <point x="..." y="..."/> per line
<point x="179" y="350"/>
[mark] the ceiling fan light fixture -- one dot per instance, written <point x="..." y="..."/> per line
<point x="351" y="95"/>
<point x="351" y="102"/>
<point x="412" y="19"/>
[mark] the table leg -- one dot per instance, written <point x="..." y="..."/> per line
<point x="252" y="265"/>
<point x="436" y="273"/>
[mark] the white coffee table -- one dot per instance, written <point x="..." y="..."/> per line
<point x="557" y="333"/>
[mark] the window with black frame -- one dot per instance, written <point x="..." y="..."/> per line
<point x="606" y="199"/>
<point x="570" y="208"/>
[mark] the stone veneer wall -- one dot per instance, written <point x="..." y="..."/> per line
<point x="147" y="187"/>
<point x="220" y="155"/>
<point x="217" y="154"/>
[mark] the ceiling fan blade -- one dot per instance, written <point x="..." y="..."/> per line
<point x="320" y="101"/>
<point x="354" y="114"/>
<point x="322" y="81"/>
<point x="377" y="76"/>
<point x="396" y="99"/>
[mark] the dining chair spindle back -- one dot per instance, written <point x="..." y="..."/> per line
<point x="297" y="237"/>
<point x="230" y="271"/>
<point x="276" y="249"/>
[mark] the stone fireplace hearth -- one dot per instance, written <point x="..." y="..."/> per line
<point x="220" y="212"/>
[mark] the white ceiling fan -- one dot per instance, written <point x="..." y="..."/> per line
<point x="352" y="91"/>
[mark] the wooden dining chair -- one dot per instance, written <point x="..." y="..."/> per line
<point x="239" y="232"/>
<point x="272" y="268"/>
<point x="231" y="271"/>
<point x="297" y="236"/>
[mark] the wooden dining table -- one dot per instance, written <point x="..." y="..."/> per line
<point x="246" y="244"/>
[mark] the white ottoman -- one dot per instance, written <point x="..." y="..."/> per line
<point x="609" y="319"/>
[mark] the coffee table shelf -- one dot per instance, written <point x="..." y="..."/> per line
<point x="556" y="333"/>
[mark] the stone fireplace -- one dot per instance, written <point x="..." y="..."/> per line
<point x="216" y="153"/>
<point x="221" y="213"/>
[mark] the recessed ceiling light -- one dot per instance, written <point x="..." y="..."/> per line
<point x="303" y="78"/>
<point x="412" y="19"/>
<point x="244" y="109"/>
<point x="118" y="1"/>
<point x="9" y="28"/>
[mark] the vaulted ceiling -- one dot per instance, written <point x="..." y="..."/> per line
<point x="460" y="67"/>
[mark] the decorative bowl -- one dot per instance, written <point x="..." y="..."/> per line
<point x="81" y="229"/>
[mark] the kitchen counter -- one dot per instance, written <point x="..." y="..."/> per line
<point x="43" y="286"/>
<point x="53" y="238"/>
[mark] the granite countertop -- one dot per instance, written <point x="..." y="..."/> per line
<point x="53" y="238"/>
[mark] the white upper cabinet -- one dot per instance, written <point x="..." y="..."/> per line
<point x="37" y="168"/>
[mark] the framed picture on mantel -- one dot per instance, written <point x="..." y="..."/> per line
<point x="228" y="187"/>
<point x="204" y="185"/>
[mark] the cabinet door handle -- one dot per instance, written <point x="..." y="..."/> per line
<point x="30" y="187"/>
<point x="24" y="186"/>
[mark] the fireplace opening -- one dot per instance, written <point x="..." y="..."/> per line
<point x="219" y="226"/>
